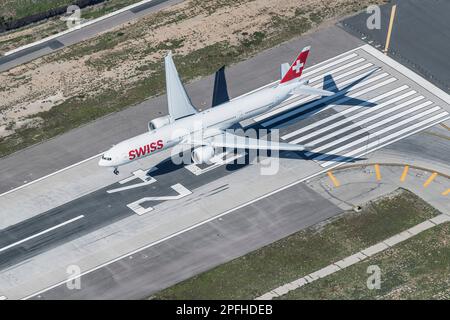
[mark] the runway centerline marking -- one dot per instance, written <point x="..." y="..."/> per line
<point x="430" y="179"/>
<point x="405" y="172"/>
<point x="377" y="172"/>
<point x="333" y="179"/>
<point x="41" y="233"/>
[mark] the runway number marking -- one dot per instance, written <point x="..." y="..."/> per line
<point x="405" y="172"/>
<point x="140" y="210"/>
<point x="333" y="179"/>
<point x="377" y="172"/>
<point x="430" y="179"/>
<point x="138" y="174"/>
<point x="41" y="233"/>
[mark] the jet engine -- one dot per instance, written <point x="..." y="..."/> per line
<point x="159" y="122"/>
<point x="202" y="155"/>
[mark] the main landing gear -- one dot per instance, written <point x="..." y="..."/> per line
<point x="116" y="171"/>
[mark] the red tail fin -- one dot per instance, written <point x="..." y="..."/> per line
<point x="296" y="69"/>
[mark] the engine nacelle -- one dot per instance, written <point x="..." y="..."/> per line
<point x="202" y="155"/>
<point x="159" y="122"/>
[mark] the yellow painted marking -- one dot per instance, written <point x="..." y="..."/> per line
<point x="446" y="192"/>
<point x="333" y="178"/>
<point x="377" y="172"/>
<point x="405" y="172"/>
<point x="431" y="178"/>
<point x="391" y="23"/>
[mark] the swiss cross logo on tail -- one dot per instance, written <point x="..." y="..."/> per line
<point x="297" y="66"/>
<point x="295" y="71"/>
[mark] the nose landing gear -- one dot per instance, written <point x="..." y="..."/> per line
<point x="116" y="171"/>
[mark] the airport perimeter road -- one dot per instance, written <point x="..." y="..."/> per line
<point x="28" y="54"/>
<point x="86" y="217"/>
<point x="84" y="142"/>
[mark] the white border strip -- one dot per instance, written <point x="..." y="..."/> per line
<point x="407" y="72"/>
<point x="87" y="23"/>
<point x="182" y="231"/>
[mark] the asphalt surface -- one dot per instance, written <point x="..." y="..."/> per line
<point x="374" y="102"/>
<point x="420" y="37"/>
<point x="81" y="143"/>
<point x="382" y="105"/>
<point x="211" y="244"/>
<point x="26" y="55"/>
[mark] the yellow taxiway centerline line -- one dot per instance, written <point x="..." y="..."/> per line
<point x="446" y="192"/>
<point x="431" y="178"/>
<point x="333" y="179"/>
<point x="391" y="23"/>
<point x="405" y="172"/>
<point x="377" y="172"/>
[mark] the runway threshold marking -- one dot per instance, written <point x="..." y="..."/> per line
<point x="405" y="172"/>
<point x="333" y="179"/>
<point x="446" y="192"/>
<point x="377" y="172"/>
<point x="430" y="179"/>
<point x="42" y="232"/>
<point x="391" y="24"/>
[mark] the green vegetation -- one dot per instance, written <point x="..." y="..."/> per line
<point x="80" y="110"/>
<point x="418" y="268"/>
<point x="17" y="9"/>
<point x="306" y="251"/>
<point x="21" y="8"/>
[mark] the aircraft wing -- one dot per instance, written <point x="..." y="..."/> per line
<point x="229" y="140"/>
<point x="178" y="101"/>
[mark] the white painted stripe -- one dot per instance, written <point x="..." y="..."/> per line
<point x="316" y="69"/>
<point x="378" y="133"/>
<point x="51" y="174"/>
<point x="87" y="23"/>
<point x="286" y="105"/>
<point x="325" y="99"/>
<point x="406" y="132"/>
<point x="181" y="231"/>
<point x="407" y="72"/>
<point x="41" y="233"/>
<point x="349" y="110"/>
<point x="98" y="155"/>
<point x="338" y="102"/>
<point x="345" y="66"/>
<point x="375" y="125"/>
<point x="357" y="124"/>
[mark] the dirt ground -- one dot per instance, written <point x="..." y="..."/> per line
<point x="116" y="63"/>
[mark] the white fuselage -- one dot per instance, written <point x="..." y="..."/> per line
<point x="218" y="118"/>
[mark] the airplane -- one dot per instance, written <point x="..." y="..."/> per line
<point x="205" y="131"/>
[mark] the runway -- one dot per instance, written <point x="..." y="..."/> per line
<point x="377" y="102"/>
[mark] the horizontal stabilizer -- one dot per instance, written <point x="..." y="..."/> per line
<point x="284" y="68"/>
<point x="312" y="91"/>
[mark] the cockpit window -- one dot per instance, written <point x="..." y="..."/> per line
<point x="106" y="158"/>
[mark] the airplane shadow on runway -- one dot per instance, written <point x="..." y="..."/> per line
<point x="340" y="98"/>
<point x="167" y="165"/>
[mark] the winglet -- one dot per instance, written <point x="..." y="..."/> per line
<point x="296" y="68"/>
